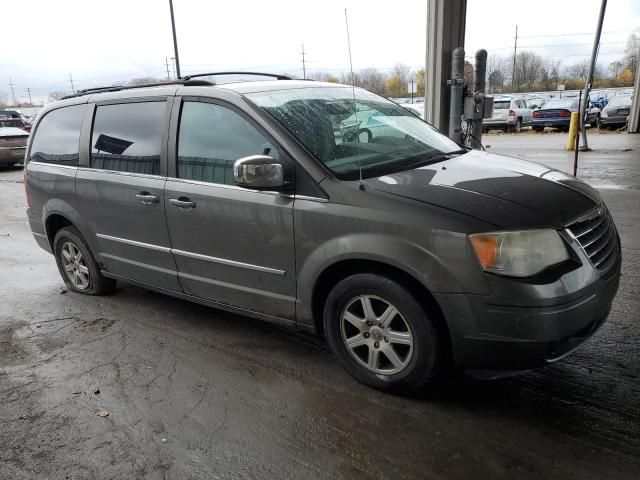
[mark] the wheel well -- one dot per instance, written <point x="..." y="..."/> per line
<point x="53" y="224"/>
<point x="340" y="270"/>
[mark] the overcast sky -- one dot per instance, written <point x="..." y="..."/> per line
<point x="103" y="42"/>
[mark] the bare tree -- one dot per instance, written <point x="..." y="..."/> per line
<point x="529" y="67"/>
<point x="143" y="81"/>
<point x="496" y="73"/>
<point x="632" y="53"/>
<point x="57" y="95"/>
<point x="4" y="100"/>
<point x="372" y="79"/>
<point x="578" y="70"/>
<point x="616" y="67"/>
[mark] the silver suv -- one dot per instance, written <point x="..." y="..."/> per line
<point x="509" y="114"/>
<point x="410" y="253"/>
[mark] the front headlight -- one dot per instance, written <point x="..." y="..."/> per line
<point x="519" y="254"/>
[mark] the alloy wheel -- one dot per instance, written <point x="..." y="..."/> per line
<point x="75" y="266"/>
<point x="376" y="334"/>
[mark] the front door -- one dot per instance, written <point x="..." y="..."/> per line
<point x="121" y="193"/>
<point x="231" y="245"/>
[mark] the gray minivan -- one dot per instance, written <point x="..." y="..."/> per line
<point x="410" y="253"/>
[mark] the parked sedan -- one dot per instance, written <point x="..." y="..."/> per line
<point x="556" y="113"/>
<point x="616" y="112"/>
<point x="13" y="144"/>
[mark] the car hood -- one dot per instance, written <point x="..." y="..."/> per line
<point x="504" y="191"/>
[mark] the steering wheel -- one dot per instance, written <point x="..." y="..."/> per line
<point x="350" y="136"/>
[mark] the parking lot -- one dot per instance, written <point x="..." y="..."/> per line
<point x="192" y="392"/>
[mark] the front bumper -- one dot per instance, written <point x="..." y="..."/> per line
<point x="499" y="123"/>
<point x="489" y="334"/>
<point x="613" y="120"/>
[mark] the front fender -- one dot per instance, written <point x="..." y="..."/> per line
<point x="413" y="259"/>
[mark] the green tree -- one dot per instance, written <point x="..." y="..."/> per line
<point x="420" y="82"/>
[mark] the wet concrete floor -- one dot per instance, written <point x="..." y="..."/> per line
<point x="193" y="392"/>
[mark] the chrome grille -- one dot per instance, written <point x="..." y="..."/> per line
<point x="598" y="238"/>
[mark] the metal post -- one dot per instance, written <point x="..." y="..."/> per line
<point x="457" y="92"/>
<point x="587" y="86"/>
<point x="175" y="39"/>
<point x="514" y="85"/>
<point x="575" y="147"/>
<point x="479" y="87"/>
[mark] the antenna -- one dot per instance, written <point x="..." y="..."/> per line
<point x="353" y="91"/>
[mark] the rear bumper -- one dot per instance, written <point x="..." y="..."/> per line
<point x="507" y="337"/>
<point x="9" y="156"/>
<point x="551" y="122"/>
<point x="38" y="231"/>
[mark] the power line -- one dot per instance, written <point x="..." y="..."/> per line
<point x="573" y="34"/>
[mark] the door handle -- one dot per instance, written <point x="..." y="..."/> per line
<point x="147" y="198"/>
<point x="182" y="202"/>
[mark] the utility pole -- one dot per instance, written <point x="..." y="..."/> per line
<point x="166" y="62"/>
<point x="11" y="84"/>
<point x="175" y="39"/>
<point x="73" y="89"/>
<point x="173" y="66"/>
<point x="589" y="81"/>
<point x="29" y="92"/>
<point x="514" y="85"/>
<point x="304" y="67"/>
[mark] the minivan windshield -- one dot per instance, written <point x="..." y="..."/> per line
<point x="372" y="133"/>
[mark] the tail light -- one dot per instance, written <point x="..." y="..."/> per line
<point x="512" y="113"/>
<point x="537" y="114"/>
<point x="565" y="113"/>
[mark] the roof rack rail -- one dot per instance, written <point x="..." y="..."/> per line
<point x="279" y="77"/>
<point x="117" y="88"/>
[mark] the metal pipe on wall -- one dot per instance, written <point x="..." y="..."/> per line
<point x="479" y="87"/>
<point x="456" y="84"/>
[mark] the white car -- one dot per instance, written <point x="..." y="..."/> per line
<point x="509" y="114"/>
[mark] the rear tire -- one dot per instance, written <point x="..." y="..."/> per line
<point x="77" y="266"/>
<point x="381" y="334"/>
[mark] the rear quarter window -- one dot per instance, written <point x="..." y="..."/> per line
<point x="57" y="137"/>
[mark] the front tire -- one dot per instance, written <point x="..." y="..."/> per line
<point x="77" y="267"/>
<point x="380" y="334"/>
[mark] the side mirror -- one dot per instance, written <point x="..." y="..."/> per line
<point x="259" y="172"/>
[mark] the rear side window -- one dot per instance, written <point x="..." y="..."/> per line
<point x="212" y="138"/>
<point x="57" y="138"/>
<point x="502" y="105"/>
<point x="127" y="137"/>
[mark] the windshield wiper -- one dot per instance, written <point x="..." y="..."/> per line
<point x="436" y="158"/>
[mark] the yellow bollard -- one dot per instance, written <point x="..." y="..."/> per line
<point x="573" y="130"/>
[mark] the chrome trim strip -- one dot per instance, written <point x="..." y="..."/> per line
<point x="197" y="256"/>
<point x="225" y="261"/>
<point x="134" y="243"/>
<point x="118" y="172"/>
<point x="311" y="199"/>
<point x="219" y="185"/>
<point x="234" y="286"/>
<point x="57" y="165"/>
